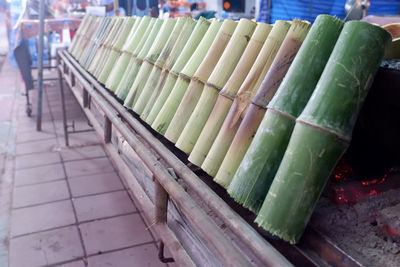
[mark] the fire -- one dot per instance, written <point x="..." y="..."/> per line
<point x="347" y="190"/>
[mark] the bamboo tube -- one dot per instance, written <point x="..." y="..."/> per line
<point x="323" y="130"/>
<point x="196" y="85"/>
<point x="148" y="62"/>
<point x="99" y="44"/>
<point x="92" y="51"/>
<point x="247" y="129"/>
<point x="79" y="33"/>
<point x="243" y="99"/>
<point x="104" y="25"/>
<point x="227" y="94"/>
<point x="116" y="49"/>
<point x="86" y="33"/>
<point x="139" y="35"/>
<point x="171" y="72"/>
<point x="260" y="163"/>
<point x="135" y="62"/>
<point x="107" y="47"/>
<point x="233" y="118"/>
<point x="200" y="69"/>
<point x="167" y="103"/>
<point x="165" y="61"/>
<point x="140" y="84"/>
<point x="216" y="81"/>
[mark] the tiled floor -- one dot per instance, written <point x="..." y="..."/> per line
<point x="69" y="206"/>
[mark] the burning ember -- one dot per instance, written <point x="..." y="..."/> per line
<point x="346" y="188"/>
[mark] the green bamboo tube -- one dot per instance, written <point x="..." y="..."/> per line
<point x="260" y="163"/>
<point x="79" y="33"/>
<point x="154" y="73"/>
<point x="99" y="42"/>
<point x="107" y="44"/>
<point x="148" y="62"/>
<point x="168" y="101"/>
<point x="167" y="58"/>
<point x="136" y="36"/>
<point x="199" y="69"/>
<point x="141" y="33"/>
<point x="195" y="87"/>
<point x="86" y="33"/>
<point x="85" y="43"/>
<point x="116" y="49"/>
<point x="323" y="130"/>
<point x="104" y="39"/>
<point x="136" y="61"/>
<point x="227" y="94"/>
<point x="243" y="98"/>
<point x="256" y="111"/>
<point x="170" y="73"/>
<point x="215" y="83"/>
<point x="104" y="25"/>
<point x="97" y="59"/>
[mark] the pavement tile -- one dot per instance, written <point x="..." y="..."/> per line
<point x="144" y="255"/>
<point x="114" y="233"/>
<point x="39" y="174"/>
<point x="94" y="184"/>
<point x="103" y="205"/>
<point x="81" y="139"/>
<point x="86" y="152"/>
<point x="37" y="146"/>
<point x="34" y="136"/>
<point x="36" y="159"/>
<point x="46" y="127"/>
<point x="87" y="167"/>
<point x="42" y="249"/>
<point x="40" y="193"/>
<point x="43" y="217"/>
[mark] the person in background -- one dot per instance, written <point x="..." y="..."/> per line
<point x="109" y="4"/>
<point x="196" y="13"/>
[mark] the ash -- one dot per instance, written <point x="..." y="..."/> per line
<point x="355" y="228"/>
<point x="393" y="64"/>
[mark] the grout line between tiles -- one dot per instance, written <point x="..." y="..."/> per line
<point x="45" y="230"/>
<point x="100" y="193"/>
<point x="40" y="204"/>
<point x="38" y="183"/>
<point x="108" y="217"/>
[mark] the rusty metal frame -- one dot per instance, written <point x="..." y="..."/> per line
<point x="129" y="127"/>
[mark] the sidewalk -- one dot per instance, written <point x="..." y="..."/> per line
<point x="62" y="206"/>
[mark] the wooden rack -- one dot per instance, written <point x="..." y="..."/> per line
<point x="235" y="244"/>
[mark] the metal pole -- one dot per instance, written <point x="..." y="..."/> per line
<point x="129" y="7"/>
<point x="40" y="66"/>
<point x="64" y="112"/>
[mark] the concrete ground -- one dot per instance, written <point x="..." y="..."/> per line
<point x="61" y="206"/>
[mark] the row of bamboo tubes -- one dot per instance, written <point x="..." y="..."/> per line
<point x="266" y="110"/>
